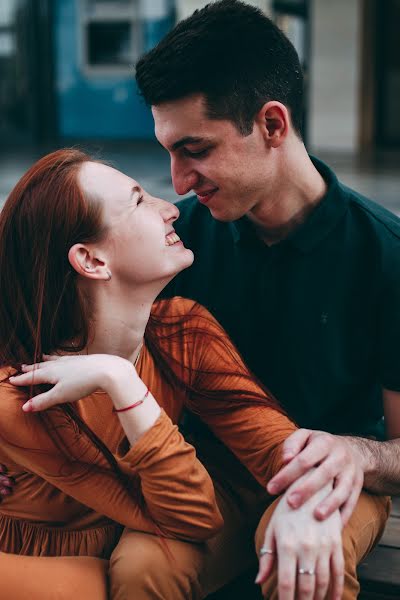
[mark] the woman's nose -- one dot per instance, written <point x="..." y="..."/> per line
<point x="168" y="211"/>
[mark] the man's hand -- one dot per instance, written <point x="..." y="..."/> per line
<point x="328" y="458"/>
<point x="6" y="483"/>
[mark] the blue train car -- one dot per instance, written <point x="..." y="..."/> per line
<point x="97" y="43"/>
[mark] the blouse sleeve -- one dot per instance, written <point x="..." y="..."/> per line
<point x="252" y="431"/>
<point x="177" y="491"/>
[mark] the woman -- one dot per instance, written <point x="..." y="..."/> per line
<point x="95" y="378"/>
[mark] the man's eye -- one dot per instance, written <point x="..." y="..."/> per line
<point x="198" y="154"/>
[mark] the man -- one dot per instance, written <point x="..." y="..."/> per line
<point x="302" y="272"/>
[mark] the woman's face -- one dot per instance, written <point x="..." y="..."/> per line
<point x="140" y="246"/>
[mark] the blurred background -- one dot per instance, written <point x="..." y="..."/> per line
<point x="67" y="78"/>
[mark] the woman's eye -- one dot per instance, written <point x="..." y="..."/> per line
<point x="140" y="200"/>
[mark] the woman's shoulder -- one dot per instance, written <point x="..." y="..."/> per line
<point x="11" y="396"/>
<point x="183" y="311"/>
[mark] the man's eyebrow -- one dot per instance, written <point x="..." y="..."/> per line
<point x="188" y="140"/>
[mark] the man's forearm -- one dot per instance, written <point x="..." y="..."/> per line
<point x="381" y="462"/>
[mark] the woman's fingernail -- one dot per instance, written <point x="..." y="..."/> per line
<point x="27" y="407"/>
<point x="258" y="578"/>
<point x="272" y="488"/>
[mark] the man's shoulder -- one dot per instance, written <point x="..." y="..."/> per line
<point x="384" y="222"/>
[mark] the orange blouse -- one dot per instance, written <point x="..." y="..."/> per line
<point x="67" y="500"/>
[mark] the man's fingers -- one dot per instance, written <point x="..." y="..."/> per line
<point x="313" y="454"/>
<point x="295" y="443"/>
<point x="344" y="488"/>
<point x="349" y="506"/>
<point x="311" y="484"/>
<point x="337" y="573"/>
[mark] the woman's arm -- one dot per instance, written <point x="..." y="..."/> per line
<point x="177" y="490"/>
<point x="231" y="403"/>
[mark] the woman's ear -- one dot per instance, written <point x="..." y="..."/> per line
<point x="87" y="263"/>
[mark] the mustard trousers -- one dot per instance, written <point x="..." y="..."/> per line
<point x="141" y="569"/>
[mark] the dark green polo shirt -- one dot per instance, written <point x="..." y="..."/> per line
<point x="316" y="316"/>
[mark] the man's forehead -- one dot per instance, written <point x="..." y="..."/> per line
<point x="181" y="119"/>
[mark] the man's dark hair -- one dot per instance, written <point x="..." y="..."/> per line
<point x="231" y="53"/>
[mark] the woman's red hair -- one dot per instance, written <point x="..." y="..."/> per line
<point x="41" y="306"/>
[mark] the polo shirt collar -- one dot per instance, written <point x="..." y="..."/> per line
<point x="318" y="225"/>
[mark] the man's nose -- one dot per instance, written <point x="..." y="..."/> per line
<point x="184" y="178"/>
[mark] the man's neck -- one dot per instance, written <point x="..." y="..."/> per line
<point x="298" y="190"/>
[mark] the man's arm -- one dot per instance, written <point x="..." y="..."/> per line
<point x="352" y="461"/>
<point x="382" y="459"/>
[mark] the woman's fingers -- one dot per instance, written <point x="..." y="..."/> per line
<point x="33" y="377"/>
<point x="337" y="572"/>
<point x="267" y="556"/>
<point x="322" y="576"/>
<point x="306" y="572"/>
<point x="287" y="564"/>
<point x="49" y="357"/>
<point x="42" y="401"/>
<point x="6" y="485"/>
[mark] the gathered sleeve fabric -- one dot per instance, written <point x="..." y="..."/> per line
<point x="225" y="395"/>
<point x="177" y="492"/>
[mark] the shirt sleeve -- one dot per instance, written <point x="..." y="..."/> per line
<point x="254" y="432"/>
<point x="177" y="491"/>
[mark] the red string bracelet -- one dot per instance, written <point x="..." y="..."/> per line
<point x="138" y="403"/>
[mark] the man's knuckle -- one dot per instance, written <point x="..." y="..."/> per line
<point x="304" y="462"/>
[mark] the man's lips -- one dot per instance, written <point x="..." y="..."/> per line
<point x="205" y="196"/>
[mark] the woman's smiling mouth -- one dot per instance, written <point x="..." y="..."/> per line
<point x="172" y="238"/>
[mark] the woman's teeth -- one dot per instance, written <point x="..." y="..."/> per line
<point x="172" y="238"/>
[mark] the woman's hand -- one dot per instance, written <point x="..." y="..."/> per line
<point x="308" y="552"/>
<point x="72" y="377"/>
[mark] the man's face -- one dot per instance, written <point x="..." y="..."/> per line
<point x="226" y="170"/>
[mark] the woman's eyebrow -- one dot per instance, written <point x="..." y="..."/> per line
<point x="135" y="190"/>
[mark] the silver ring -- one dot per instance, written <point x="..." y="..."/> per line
<point x="264" y="551"/>
<point x="306" y="572"/>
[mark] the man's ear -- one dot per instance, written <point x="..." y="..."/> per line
<point x="274" y="120"/>
<point x="88" y="263"/>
